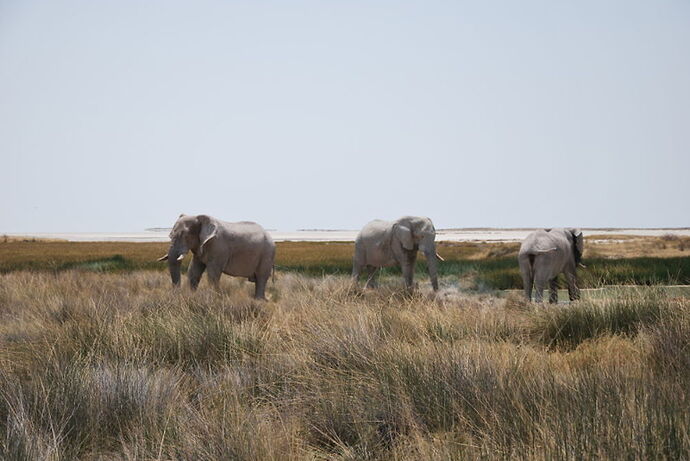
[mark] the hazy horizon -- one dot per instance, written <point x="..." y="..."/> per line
<point x="117" y="117"/>
<point x="353" y="229"/>
<point x="349" y="235"/>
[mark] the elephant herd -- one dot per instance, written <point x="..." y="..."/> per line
<point x="245" y="249"/>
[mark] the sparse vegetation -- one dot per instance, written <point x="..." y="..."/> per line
<point x="119" y="366"/>
<point x="485" y="266"/>
<point x="503" y="274"/>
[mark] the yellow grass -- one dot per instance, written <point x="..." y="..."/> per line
<point x="20" y="253"/>
<point x="54" y="254"/>
<point x="634" y="246"/>
<point x="120" y="366"/>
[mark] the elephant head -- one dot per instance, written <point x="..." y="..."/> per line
<point x="578" y="245"/>
<point x="416" y="233"/>
<point x="189" y="233"/>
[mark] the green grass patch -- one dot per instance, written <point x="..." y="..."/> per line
<point x="112" y="264"/>
<point x="504" y="274"/>
<point x="621" y="314"/>
<point x="494" y="272"/>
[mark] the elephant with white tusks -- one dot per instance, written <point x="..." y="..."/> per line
<point x="545" y="254"/>
<point x="384" y="244"/>
<point x="241" y="249"/>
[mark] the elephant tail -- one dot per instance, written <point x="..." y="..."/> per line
<point x="526" y="261"/>
<point x="538" y="252"/>
<point x="273" y="274"/>
<point x="531" y="256"/>
<point x="527" y="265"/>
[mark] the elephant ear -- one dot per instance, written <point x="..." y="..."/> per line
<point x="207" y="231"/>
<point x="404" y="234"/>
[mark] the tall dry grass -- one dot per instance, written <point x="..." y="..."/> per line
<point x="121" y="366"/>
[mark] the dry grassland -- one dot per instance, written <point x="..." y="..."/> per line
<point x="119" y="366"/>
<point x="26" y="253"/>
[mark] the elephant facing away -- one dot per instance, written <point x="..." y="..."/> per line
<point x="384" y="244"/>
<point x="543" y="255"/>
<point x="241" y="249"/>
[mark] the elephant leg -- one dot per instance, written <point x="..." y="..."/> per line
<point x="553" y="290"/>
<point x="432" y="268"/>
<point x="195" y="271"/>
<point x="528" y="290"/>
<point x="213" y="273"/>
<point x="358" y="263"/>
<point x="408" y="266"/>
<point x="260" y="287"/>
<point x="539" y="286"/>
<point x="356" y="271"/>
<point x="372" y="275"/>
<point x="573" y="290"/>
<point x="527" y="276"/>
<point x="434" y="283"/>
<point x="408" y="275"/>
<point x="541" y="279"/>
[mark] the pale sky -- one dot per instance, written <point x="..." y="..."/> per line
<point x="120" y="115"/>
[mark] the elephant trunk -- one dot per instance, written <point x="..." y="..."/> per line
<point x="432" y="265"/>
<point x="175" y="256"/>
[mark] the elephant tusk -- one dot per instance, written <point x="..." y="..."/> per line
<point x="165" y="258"/>
<point x="439" y="257"/>
<point x="582" y="265"/>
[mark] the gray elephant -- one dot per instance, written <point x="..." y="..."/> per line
<point x="545" y="254"/>
<point x="242" y="249"/>
<point x="384" y="244"/>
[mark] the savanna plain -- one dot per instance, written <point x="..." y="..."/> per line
<point x="100" y="358"/>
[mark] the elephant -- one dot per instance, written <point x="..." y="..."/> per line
<point x="241" y="249"/>
<point x="384" y="244"/>
<point x="544" y="254"/>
